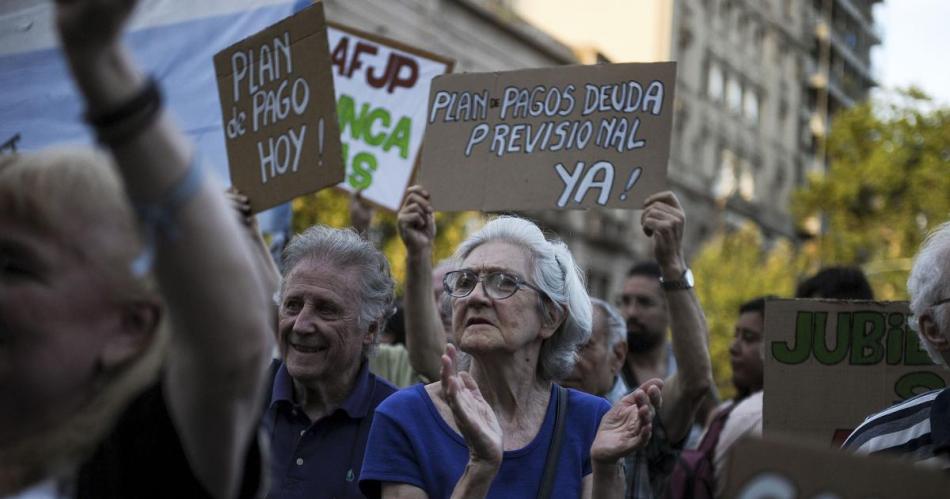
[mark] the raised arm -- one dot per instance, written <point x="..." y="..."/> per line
<point x="684" y="391"/>
<point x="267" y="270"/>
<point x="425" y="338"/>
<point x="361" y="214"/>
<point x="220" y="346"/>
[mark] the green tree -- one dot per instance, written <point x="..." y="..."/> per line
<point x="887" y="184"/>
<point x="732" y="268"/>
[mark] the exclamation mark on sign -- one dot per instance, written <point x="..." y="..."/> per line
<point x="634" y="176"/>
<point x="320" y="142"/>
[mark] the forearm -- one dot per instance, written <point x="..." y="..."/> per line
<point x="425" y="338"/>
<point x="475" y="481"/>
<point x="207" y="247"/>
<point x="693" y="379"/>
<point x="608" y="480"/>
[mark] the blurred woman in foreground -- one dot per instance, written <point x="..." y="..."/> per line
<point x="95" y="399"/>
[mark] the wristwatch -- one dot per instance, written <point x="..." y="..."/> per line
<point x="684" y="282"/>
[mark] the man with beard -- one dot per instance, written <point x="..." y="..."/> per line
<point x="656" y="297"/>
<point x="643" y="306"/>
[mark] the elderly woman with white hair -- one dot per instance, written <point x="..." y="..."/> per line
<point x="503" y="428"/>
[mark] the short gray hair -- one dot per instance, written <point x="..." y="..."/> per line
<point x="616" y="326"/>
<point x="929" y="281"/>
<point x="553" y="271"/>
<point x="344" y="248"/>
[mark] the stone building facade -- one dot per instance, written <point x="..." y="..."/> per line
<point x="758" y="82"/>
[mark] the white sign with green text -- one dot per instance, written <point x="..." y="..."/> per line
<point x="382" y="90"/>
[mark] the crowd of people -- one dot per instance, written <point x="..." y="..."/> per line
<point x="150" y="347"/>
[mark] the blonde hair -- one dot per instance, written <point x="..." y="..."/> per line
<point x="75" y="196"/>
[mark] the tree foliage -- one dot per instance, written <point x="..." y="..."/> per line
<point x="733" y="268"/>
<point x="887" y="185"/>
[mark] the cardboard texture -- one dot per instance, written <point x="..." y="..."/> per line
<point x="277" y="99"/>
<point x="562" y="138"/>
<point x="382" y="87"/>
<point x="829" y="364"/>
<point x="760" y="469"/>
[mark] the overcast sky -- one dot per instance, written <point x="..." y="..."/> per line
<point x="916" y="45"/>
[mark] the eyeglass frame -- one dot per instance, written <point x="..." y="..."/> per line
<point x="940" y="302"/>
<point x="481" y="276"/>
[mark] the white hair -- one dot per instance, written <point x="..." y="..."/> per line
<point x="616" y="326"/>
<point x="553" y="271"/>
<point x="929" y="281"/>
<point x="344" y="248"/>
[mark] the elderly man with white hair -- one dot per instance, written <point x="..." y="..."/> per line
<point x="919" y="428"/>
<point x="599" y="361"/>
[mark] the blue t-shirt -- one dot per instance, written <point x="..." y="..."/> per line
<point x="409" y="442"/>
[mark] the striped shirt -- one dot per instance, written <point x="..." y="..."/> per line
<point x="917" y="429"/>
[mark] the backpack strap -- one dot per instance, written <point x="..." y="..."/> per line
<point x="554" y="451"/>
<point x="711" y="438"/>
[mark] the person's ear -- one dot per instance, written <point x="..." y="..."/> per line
<point x="931" y="333"/>
<point x="552" y="315"/>
<point x="370" y="337"/>
<point x="138" y="324"/>
<point x="618" y="354"/>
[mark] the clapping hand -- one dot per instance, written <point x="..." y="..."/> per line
<point x="474" y="417"/>
<point x="628" y="425"/>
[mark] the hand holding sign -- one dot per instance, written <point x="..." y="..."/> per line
<point x="663" y="219"/>
<point x="416" y="221"/>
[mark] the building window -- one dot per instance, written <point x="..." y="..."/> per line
<point x="734" y="95"/>
<point x="725" y="185"/>
<point x="750" y="106"/>
<point x="746" y="181"/>
<point x="714" y="86"/>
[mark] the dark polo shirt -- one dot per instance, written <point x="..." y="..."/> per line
<point x="322" y="458"/>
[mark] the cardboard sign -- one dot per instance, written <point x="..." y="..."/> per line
<point x="382" y="87"/>
<point x="563" y="137"/>
<point x="277" y="100"/>
<point x="829" y="364"/>
<point x="760" y="469"/>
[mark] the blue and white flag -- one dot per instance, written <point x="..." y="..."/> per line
<point x="174" y="41"/>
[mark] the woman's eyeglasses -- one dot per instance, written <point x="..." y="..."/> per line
<point x="497" y="285"/>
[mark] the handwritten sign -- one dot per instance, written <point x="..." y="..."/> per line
<point x="382" y="87"/>
<point x="762" y="469"/>
<point x="849" y="358"/>
<point x="277" y="99"/>
<point x="564" y="137"/>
